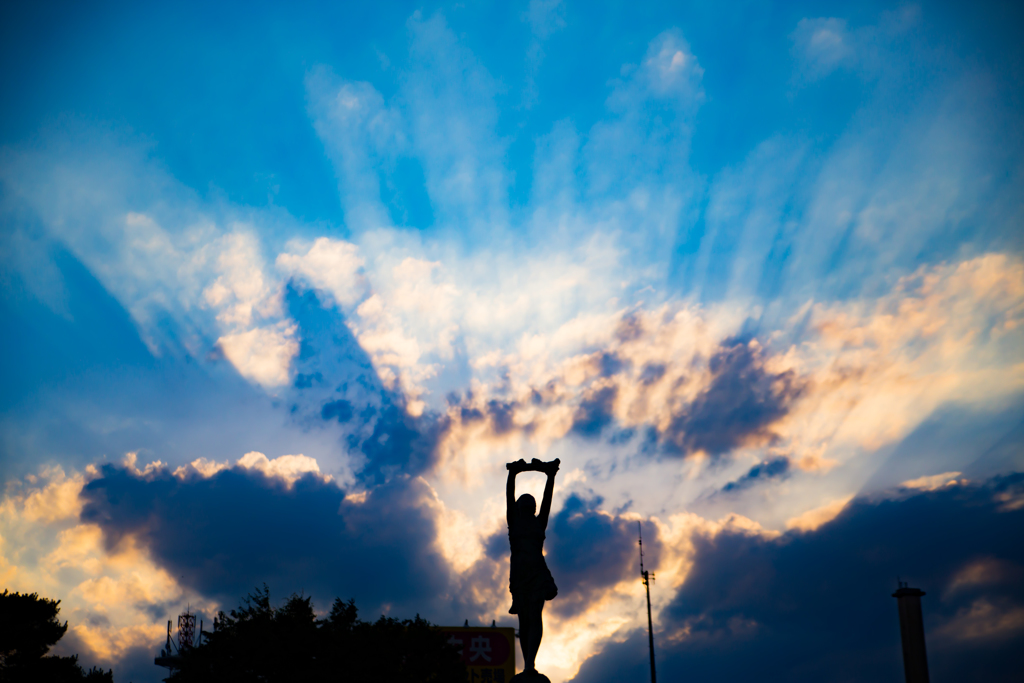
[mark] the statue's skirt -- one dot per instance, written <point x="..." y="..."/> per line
<point x="530" y="582"/>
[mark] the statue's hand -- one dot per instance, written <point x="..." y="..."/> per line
<point x="517" y="466"/>
<point x="553" y="466"/>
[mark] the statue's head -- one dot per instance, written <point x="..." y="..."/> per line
<point x="527" y="505"/>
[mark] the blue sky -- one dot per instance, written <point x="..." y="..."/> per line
<point x="754" y="273"/>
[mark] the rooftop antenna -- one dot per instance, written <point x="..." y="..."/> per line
<point x="647" y="578"/>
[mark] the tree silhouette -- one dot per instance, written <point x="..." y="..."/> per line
<point x="258" y="642"/>
<point x="28" y="629"/>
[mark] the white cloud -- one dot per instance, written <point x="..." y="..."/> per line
<point x="334" y="266"/>
<point x="290" y="468"/>
<point x="161" y="252"/>
<point x="263" y="354"/>
<point x="240" y="291"/>
<point x="361" y="133"/>
<point x="815" y="517"/>
<point x="823" y="45"/>
<point x="671" y="69"/>
<point x="453" y="117"/>
<point x="931" y="482"/>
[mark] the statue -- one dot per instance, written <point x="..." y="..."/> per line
<point x="530" y="581"/>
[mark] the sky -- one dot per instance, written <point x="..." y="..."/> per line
<point x="283" y="288"/>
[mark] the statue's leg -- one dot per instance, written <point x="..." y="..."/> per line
<point x="531" y="630"/>
<point x="524" y="637"/>
<point x="537" y="627"/>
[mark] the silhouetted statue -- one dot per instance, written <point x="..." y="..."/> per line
<point x="530" y="581"/>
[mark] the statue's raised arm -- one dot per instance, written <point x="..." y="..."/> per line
<point x="513" y="468"/>
<point x="550" y="469"/>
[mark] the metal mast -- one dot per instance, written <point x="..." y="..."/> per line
<point x="647" y="578"/>
<point x="170" y="656"/>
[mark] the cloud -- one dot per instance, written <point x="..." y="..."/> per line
<point x="191" y="274"/>
<point x="330" y="265"/>
<point x="683" y="400"/>
<point x="589" y="551"/>
<point x="738" y="407"/>
<point x="823" y="45"/>
<point x="401" y="443"/>
<point x="636" y="158"/>
<point x="594" y="412"/>
<point x="240" y="527"/>
<point x="795" y="605"/>
<point x="671" y="69"/>
<point x="932" y="481"/>
<point x="836" y="382"/>
<point x="289" y="468"/>
<point x="57" y="498"/>
<point x="112" y="597"/>
<point x="776" y="468"/>
<point x="895" y="359"/>
<point x="263" y="355"/>
<point x="815" y="517"/>
<point x="360" y="133"/>
<point x="453" y="118"/>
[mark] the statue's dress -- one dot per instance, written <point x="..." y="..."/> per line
<point x="530" y="579"/>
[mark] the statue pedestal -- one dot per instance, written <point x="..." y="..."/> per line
<point x="530" y="677"/>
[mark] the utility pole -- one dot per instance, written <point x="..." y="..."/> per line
<point x="647" y="578"/>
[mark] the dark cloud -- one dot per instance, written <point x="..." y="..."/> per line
<point x="468" y="414"/>
<point x="393" y="442"/>
<point x="238" y="529"/>
<point x="498" y="412"/>
<point x="630" y="327"/>
<point x="738" y="408"/>
<point x="501" y="413"/>
<point x="652" y="372"/>
<point x="340" y="410"/>
<point x="496" y="546"/>
<point x="609" y="364"/>
<point x="816" y="606"/>
<point x="589" y="551"/>
<point x="594" y="412"/>
<point x="775" y="468"/>
<point x="328" y="348"/>
<point x="306" y="381"/>
<point x="401" y="444"/>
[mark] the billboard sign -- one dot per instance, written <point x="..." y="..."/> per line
<point x="488" y="653"/>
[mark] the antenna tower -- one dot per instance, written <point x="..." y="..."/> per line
<point x="647" y="578"/>
<point x="170" y="655"/>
